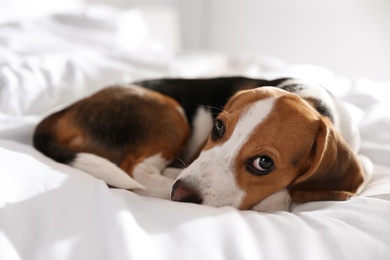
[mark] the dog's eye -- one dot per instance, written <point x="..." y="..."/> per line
<point x="260" y="165"/>
<point x="218" y="130"/>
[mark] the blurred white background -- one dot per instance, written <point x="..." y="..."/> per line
<point x="350" y="37"/>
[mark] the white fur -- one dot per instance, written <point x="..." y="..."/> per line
<point x="278" y="201"/>
<point x="350" y="117"/>
<point x="368" y="169"/>
<point x="212" y="173"/>
<point x="147" y="181"/>
<point x="148" y="173"/>
<point x="202" y="125"/>
<point x="171" y="172"/>
<point x="105" y="170"/>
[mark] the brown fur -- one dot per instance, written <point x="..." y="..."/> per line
<point x="335" y="173"/>
<point x="232" y="112"/>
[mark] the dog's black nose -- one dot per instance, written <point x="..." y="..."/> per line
<point x="183" y="192"/>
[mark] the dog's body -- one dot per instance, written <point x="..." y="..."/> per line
<point x="272" y="141"/>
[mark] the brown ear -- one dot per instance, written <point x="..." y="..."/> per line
<point x="334" y="173"/>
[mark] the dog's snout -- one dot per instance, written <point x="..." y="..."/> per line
<point x="183" y="192"/>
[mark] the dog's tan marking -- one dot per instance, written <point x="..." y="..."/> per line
<point x="68" y="134"/>
<point x="234" y="109"/>
<point x="167" y="148"/>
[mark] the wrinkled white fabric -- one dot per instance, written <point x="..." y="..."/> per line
<point x="52" y="211"/>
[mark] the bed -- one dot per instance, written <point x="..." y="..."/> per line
<point x="52" y="211"/>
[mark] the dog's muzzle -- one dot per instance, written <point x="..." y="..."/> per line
<point x="183" y="192"/>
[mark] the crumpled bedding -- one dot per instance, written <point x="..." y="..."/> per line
<point x="51" y="211"/>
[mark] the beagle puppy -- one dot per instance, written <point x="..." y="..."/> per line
<point x="250" y="143"/>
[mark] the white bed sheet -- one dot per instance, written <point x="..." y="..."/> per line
<point x="51" y="211"/>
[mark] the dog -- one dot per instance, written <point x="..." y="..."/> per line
<point x="250" y="143"/>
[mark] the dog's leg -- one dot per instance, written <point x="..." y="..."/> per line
<point x="149" y="174"/>
<point x="157" y="186"/>
<point x="105" y="170"/>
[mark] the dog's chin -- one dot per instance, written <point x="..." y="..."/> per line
<point x="222" y="198"/>
<point x="278" y="201"/>
<point x="220" y="204"/>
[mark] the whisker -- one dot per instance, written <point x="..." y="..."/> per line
<point x="218" y="109"/>
<point x="183" y="165"/>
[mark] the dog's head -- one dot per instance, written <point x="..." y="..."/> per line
<point x="267" y="140"/>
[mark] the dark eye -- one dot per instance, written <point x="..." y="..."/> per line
<point x="260" y="165"/>
<point x="218" y="130"/>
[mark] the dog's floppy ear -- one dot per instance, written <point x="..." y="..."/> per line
<point x="334" y="172"/>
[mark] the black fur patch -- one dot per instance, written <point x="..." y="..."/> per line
<point x="318" y="105"/>
<point x="322" y="109"/>
<point x="44" y="142"/>
<point x="212" y="93"/>
<point x="294" y="88"/>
